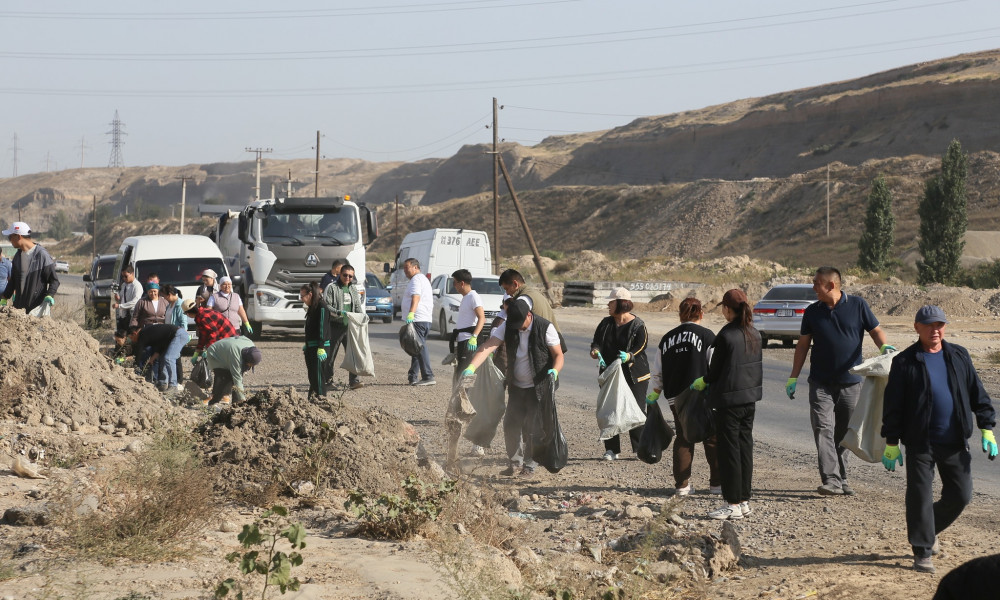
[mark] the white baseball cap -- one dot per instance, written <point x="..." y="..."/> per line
<point x="18" y="228"/>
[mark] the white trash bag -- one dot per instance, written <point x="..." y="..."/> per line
<point x="617" y="411"/>
<point x="864" y="433"/>
<point x="358" y="357"/>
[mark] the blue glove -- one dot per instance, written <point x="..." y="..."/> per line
<point x="600" y="363"/>
<point x="410" y="317"/>
<point x="624" y="356"/>
<point x="652" y="397"/>
<point x="886" y="349"/>
<point x="469" y="371"/>
<point x="321" y="354"/>
<point x="246" y="325"/>
<point x="790" y="387"/>
<point x="891" y="456"/>
<point x="49" y="300"/>
<point x="554" y="374"/>
<point x="472" y="344"/>
<point x="699" y="384"/>
<point x="989" y="443"/>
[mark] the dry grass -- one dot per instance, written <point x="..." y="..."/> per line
<point x="150" y="508"/>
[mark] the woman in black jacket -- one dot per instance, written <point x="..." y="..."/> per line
<point x="622" y="335"/>
<point x="735" y="382"/>
<point x="317" y="335"/>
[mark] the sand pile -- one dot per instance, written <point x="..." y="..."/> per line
<point x="276" y="439"/>
<point x="52" y="372"/>
<point x="905" y="300"/>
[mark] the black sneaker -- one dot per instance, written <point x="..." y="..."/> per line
<point x="509" y="471"/>
<point x="527" y="471"/>
<point x="924" y="565"/>
<point x="828" y="489"/>
<point x="848" y="490"/>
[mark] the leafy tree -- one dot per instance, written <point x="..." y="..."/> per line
<point x="61" y="228"/>
<point x="943" y="220"/>
<point x="877" y="239"/>
<point x="104" y="218"/>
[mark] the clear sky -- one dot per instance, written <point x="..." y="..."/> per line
<point x="198" y="82"/>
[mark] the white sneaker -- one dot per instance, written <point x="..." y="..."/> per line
<point x="729" y="511"/>
<point x="745" y="508"/>
<point x="685" y="491"/>
<point x="609" y="455"/>
<point x="715" y="489"/>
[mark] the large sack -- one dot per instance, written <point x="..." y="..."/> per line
<point x="617" y="411"/>
<point x="409" y="341"/>
<point x="42" y="310"/>
<point x="201" y="375"/>
<point x="694" y="417"/>
<point x="548" y="445"/>
<point x="864" y="433"/>
<point x="358" y="357"/>
<point x="487" y="396"/>
<point x="656" y="436"/>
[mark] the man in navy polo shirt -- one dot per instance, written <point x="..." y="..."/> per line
<point x="835" y="325"/>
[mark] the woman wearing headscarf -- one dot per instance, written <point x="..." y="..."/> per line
<point x="735" y="383"/>
<point x="150" y="309"/>
<point x="622" y="335"/>
<point x="681" y="356"/>
<point x="230" y="304"/>
<point x="317" y="335"/>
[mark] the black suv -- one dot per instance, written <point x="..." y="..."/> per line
<point x="97" y="287"/>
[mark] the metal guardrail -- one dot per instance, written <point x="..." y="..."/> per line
<point x="576" y="293"/>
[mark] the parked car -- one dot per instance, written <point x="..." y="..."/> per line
<point x="62" y="266"/>
<point x="447" y="300"/>
<point x="97" y="287"/>
<point x="778" y="315"/>
<point x="378" y="301"/>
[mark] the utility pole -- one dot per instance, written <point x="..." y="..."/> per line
<point x="288" y="192"/>
<point x="496" y="195"/>
<point x="83" y="146"/>
<point x="258" y="151"/>
<point x="15" y="148"/>
<point x="397" y="221"/>
<point x="827" y="199"/>
<point x="527" y="230"/>
<point x="184" y="181"/>
<point x="95" y="225"/>
<point x="316" y="193"/>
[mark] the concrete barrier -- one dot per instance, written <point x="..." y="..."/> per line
<point x="577" y="293"/>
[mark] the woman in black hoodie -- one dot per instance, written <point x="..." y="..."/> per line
<point x="735" y="382"/>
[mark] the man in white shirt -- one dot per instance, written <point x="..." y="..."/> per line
<point x="470" y="320"/>
<point x="421" y="305"/>
<point x="126" y="298"/>
<point x="533" y="354"/>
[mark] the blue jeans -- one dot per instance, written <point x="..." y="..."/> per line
<point x="421" y="365"/>
<point x="166" y="365"/>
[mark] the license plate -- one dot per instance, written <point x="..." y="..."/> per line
<point x="369" y="308"/>
<point x="784" y="312"/>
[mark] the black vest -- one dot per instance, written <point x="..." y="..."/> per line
<point x="538" y="352"/>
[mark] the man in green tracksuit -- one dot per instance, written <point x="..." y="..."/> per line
<point x="342" y="298"/>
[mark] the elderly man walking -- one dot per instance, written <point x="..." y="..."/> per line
<point x="932" y="397"/>
<point x="33" y="272"/>
<point x="835" y="325"/>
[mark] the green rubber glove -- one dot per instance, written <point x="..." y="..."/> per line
<point x="989" y="443"/>
<point x="246" y="325"/>
<point x="469" y="371"/>
<point x="790" y="387"/>
<point x="410" y="317"/>
<point x="50" y="300"/>
<point x="891" y="456"/>
<point x="652" y="397"/>
<point x="321" y="354"/>
<point x="699" y="384"/>
<point x="554" y="374"/>
<point x="3" y="302"/>
<point x="119" y="360"/>
<point x="624" y="356"/>
<point x="887" y="348"/>
<point x="472" y="344"/>
<point x="194" y="358"/>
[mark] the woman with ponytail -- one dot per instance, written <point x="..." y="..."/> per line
<point x="317" y="336"/>
<point x="735" y="383"/>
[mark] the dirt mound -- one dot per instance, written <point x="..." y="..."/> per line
<point x="905" y="300"/>
<point x="280" y="437"/>
<point x="54" y="373"/>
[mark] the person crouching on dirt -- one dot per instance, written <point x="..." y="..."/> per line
<point x="341" y="298"/>
<point x="317" y="332"/>
<point x="229" y="359"/>
<point x="932" y="396"/>
<point x="164" y="343"/>
<point x="534" y="351"/>
<point x="212" y="325"/>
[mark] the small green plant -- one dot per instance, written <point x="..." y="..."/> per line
<point x="398" y="517"/>
<point x="553" y="254"/>
<point x="993" y="356"/>
<point x="272" y="564"/>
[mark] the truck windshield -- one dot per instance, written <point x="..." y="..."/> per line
<point x="335" y="228"/>
<point x="178" y="271"/>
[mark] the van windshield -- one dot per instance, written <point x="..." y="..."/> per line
<point x="336" y="228"/>
<point x="177" y="271"/>
<point x="105" y="268"/>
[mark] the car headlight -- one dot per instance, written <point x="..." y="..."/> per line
<point x="386" y="300"/>
<point x="267" y="299"/>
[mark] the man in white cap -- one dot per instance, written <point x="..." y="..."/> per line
<point x="33" y="272"/>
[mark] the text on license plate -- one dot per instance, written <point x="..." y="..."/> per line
<point x="369" y="308"/>
<point x="784" y="312"/>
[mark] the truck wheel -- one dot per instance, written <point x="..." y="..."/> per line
<point x="257" y="328"/>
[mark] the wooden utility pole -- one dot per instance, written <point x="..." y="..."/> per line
<point x="184" y="181"/>
<point x="259" y="151"/>
<point x="827" y="199"/>
<point x="316" y="193"/>
<point x="288" y="192"/>
<point x="397" y="222"/>
<point x="496" y="195"/>
<point x="95" y="225"/>
<point x="527" y="230"/>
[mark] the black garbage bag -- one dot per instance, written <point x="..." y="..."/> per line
<point x="409" y="340"/>
<point x="201" y="375"/>
<point x="656" y="436"/>
<point x="548" y="444"/>
<point x="694" y="417"/>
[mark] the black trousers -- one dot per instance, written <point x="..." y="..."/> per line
<point x="222" y="384"/>
<point x="734" y="432"/>
<point x="924" y="517"/>
<point x="338" y="340"/>
<point x="639" y="391"/>
<point x="314" y="368"/>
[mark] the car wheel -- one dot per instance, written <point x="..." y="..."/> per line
<point x="763" y="341"/>
<point x="257" y="328"/>
<point x="787" y="343"/>
<point x="443" y="326"/>
<point x="387" y="319"/>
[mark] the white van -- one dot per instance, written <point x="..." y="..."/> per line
<point x="177" y="260"/>
<point x="441" y="252"/>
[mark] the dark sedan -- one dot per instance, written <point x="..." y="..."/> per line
<point x="378" y="301"/>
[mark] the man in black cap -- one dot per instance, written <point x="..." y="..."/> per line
<point x="930" y="401"/>
<point x="534" y="352"/>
